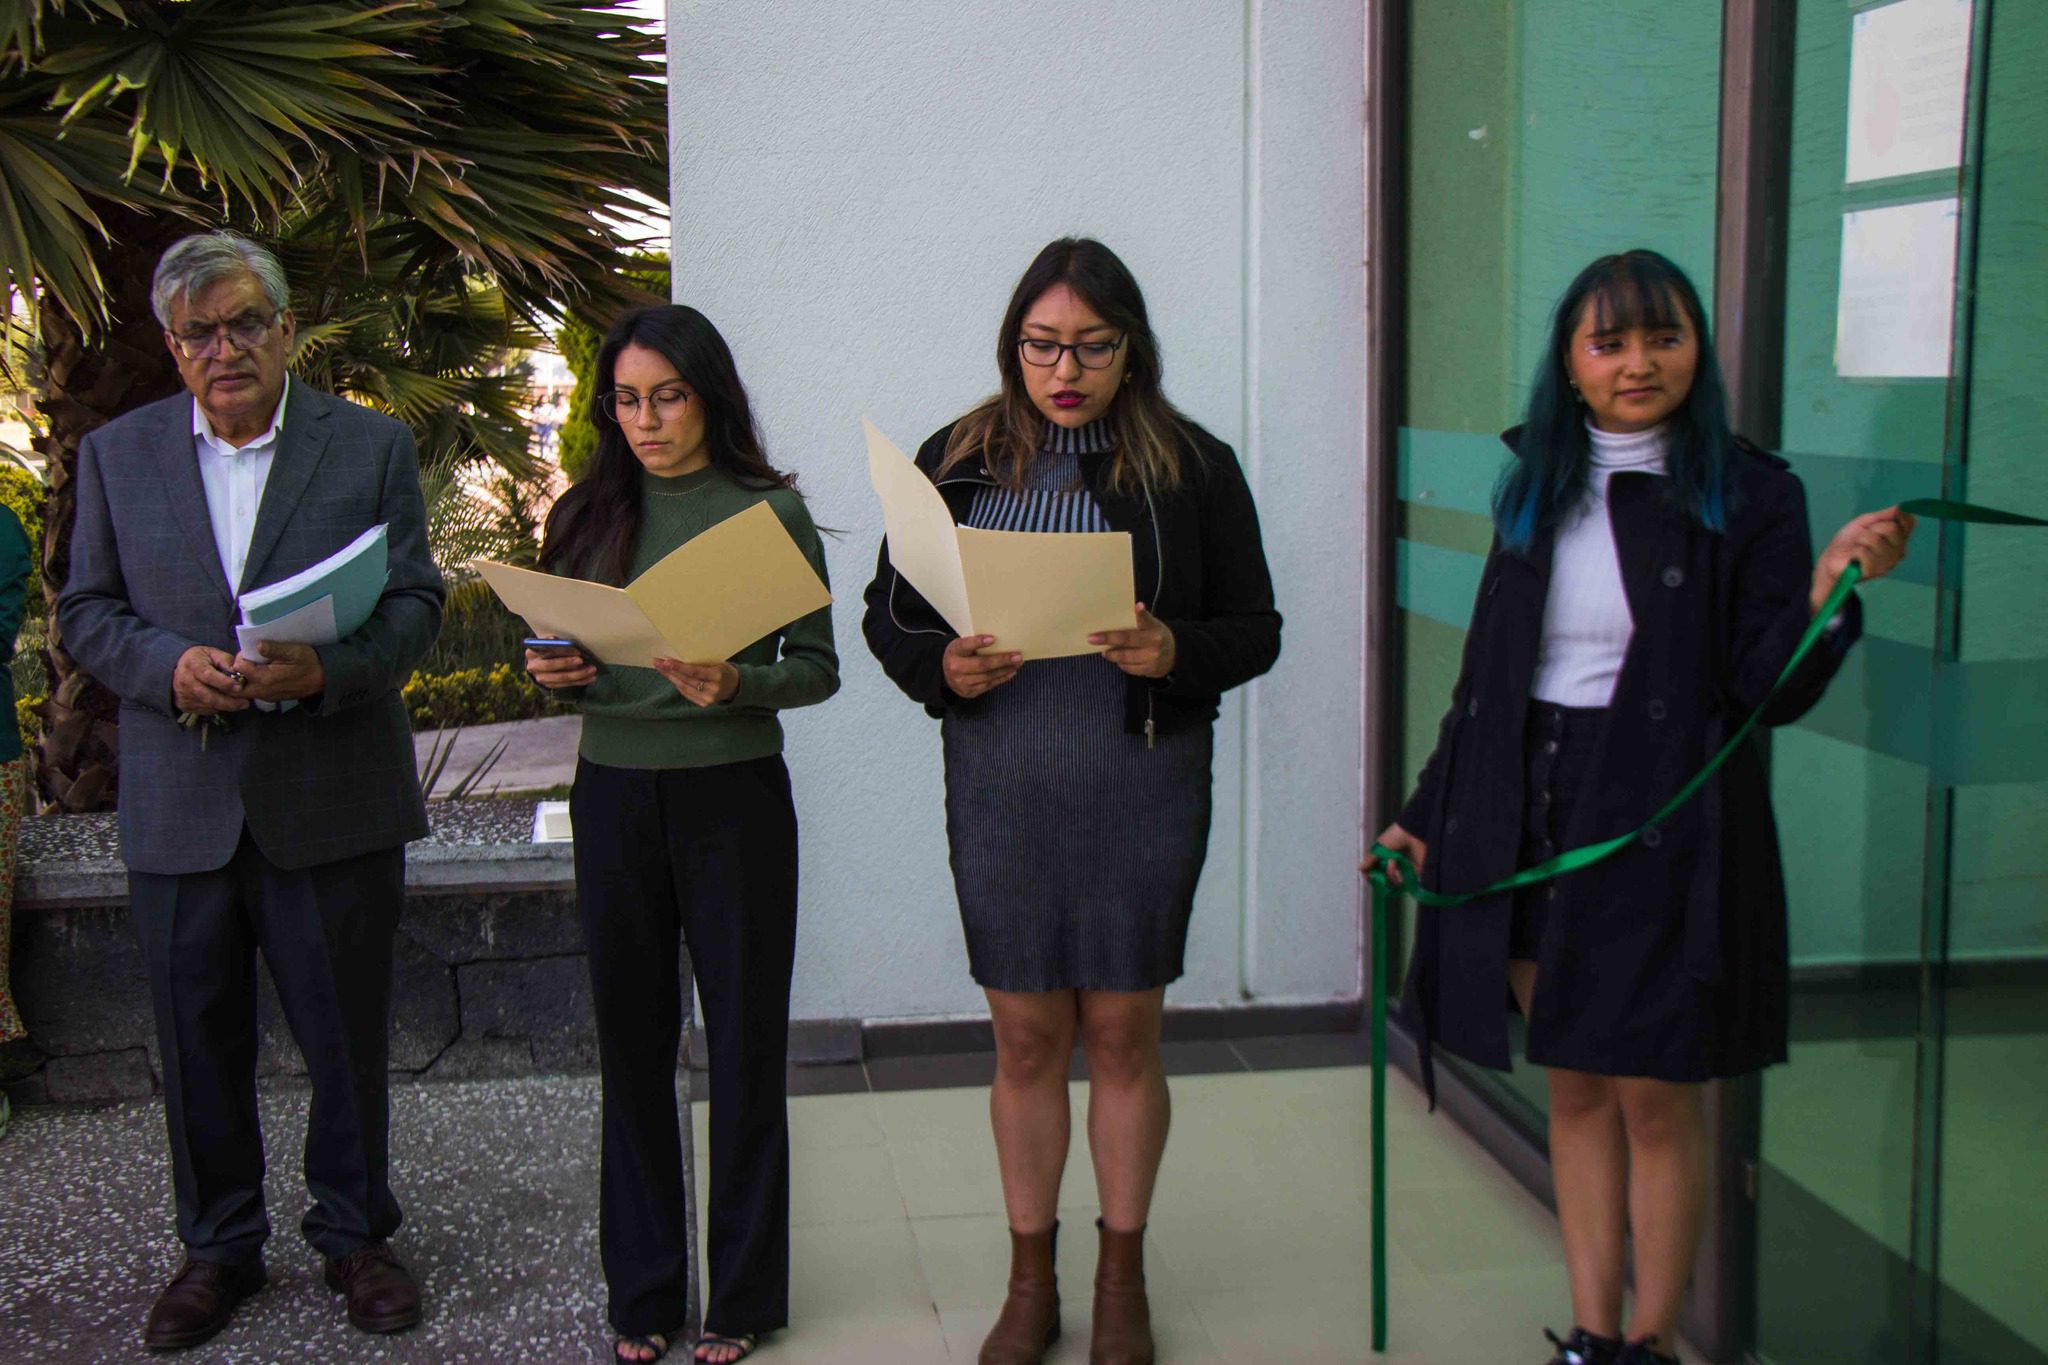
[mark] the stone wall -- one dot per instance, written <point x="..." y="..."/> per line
<point x="489" y="978"/>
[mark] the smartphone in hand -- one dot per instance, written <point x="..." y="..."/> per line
<point x="549" y="644"/>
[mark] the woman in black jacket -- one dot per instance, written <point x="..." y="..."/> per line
<point x="1650" y="577"/>
<point x="1077" y="789"/>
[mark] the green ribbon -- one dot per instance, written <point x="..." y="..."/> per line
<point x="1385" y="889"/>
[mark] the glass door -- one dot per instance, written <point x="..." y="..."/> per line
<point x="1913" y="802"/>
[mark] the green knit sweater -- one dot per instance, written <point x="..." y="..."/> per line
<point x="635" y="718"/>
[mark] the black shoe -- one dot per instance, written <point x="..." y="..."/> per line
<point x="1583" y="1348"/>
<point x="382" y="1294"/>
<point x="1643" y="1353"/>
<point x="198" y="1302"/>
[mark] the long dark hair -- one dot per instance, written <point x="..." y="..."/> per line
<point x="1008" y="428"/>
<point x="1554" y="458"/>
<point x="594" y="528"/>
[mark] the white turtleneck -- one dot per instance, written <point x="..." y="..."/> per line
<point x="1586" y="623"/>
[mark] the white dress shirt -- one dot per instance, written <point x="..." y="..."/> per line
<point x="234" y="480"/>
<point x="1586" y="621"/>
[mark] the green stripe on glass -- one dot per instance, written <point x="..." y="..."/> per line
<point x="1454" y="469"/>
<point x="1432" y="581"/>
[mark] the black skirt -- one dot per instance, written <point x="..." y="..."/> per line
<point x="1558" y="747"/>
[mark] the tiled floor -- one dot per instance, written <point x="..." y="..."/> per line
<point x="1258" y="1247"/>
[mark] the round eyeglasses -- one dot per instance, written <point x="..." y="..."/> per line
<point x="623" y="405"/>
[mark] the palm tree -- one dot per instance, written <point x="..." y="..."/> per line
<point x="443" y="177"/>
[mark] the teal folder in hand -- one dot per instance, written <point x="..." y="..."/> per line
<point x="319" y="605"/>
<point x="353" y="576"/>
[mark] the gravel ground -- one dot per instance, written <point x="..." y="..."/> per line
<point x="499" y="1184"/>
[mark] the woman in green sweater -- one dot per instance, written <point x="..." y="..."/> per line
<point x="684" y="828"/>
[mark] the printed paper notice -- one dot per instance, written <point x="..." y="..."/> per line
<point x="1898" y="293"/>
<point x="1909" y="66"/>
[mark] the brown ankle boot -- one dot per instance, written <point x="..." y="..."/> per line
<point x="1030" y="1320"/>
<point x="1123" y="1315"/>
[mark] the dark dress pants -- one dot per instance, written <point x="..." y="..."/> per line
<point x="326" y="934"/>
<point x="705" y="856"/>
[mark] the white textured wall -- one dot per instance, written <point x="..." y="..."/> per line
<point x="856" y="189"/>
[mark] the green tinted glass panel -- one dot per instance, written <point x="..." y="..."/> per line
<point x="1895" y="1145"/>
<point x="1991" y="1252"/>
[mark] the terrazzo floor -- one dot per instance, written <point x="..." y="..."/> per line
<point x="1257" y="1250"/>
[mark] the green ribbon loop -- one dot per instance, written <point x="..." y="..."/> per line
<point x="1408" y="881"/>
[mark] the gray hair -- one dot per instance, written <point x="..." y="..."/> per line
<point x="199" y="260"/>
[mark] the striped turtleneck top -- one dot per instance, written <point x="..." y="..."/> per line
<point x="1055" y="496"/>
<point x="1586" y="621"/>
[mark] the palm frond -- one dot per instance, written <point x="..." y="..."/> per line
<point x="52" y="187"/>
<point x="21" y="28"/>
<point x="245" y="96"/>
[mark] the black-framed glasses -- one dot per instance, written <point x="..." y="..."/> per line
<point x="1092" y="355"/>
<point x="623" y="405"/>
<point x="244" y="333"/>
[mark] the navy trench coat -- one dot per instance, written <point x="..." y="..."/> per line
<point x="1669" y="959"/>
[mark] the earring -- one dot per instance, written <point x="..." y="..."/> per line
<point x="1577" y="397"/>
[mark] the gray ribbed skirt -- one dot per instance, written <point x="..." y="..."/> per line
<point x="1075" y="848"/>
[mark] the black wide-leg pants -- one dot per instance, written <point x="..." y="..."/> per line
<point x="706" y="856"/>
<point x="326" y="933"/>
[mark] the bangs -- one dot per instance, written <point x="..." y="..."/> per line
<point x="1634" y="292"/>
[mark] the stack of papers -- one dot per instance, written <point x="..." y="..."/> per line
<point x="321" y="604"/>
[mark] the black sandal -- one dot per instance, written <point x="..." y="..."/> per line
<point x="656" y="1342"/>
<point x="744" y="1343"/>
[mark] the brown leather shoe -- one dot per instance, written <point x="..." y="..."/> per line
<point x="1030" y="1320"/>
<point x="382" y="1295"/>
<point x="198" y="1302"/>
<point x="1123" y="1315"/>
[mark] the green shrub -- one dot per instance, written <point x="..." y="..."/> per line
<point x="477" y="632"/>
<point x="475" y="696"/>
<point x="579" y="343"/>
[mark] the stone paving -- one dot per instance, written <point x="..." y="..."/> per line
<point x="539" y="754"/>
<point x="499" y="1184"/>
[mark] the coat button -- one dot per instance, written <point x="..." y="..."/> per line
<point x="1673" y="576"/>
<point x="1451" y="825"/>
<point x="1654" y="708"/>
<point x="1652" y="837"/>
<point x="1472" y="707"/>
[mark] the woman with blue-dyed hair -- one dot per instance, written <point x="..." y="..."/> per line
<point x="1650" y="577"/>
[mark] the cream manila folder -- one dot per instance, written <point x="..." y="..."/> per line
<point x="703" y="602"/>
<point x="1040" y="593"/>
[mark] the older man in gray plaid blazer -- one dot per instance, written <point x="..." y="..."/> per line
<point x="274" y="827"/>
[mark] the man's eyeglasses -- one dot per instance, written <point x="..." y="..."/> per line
<point x="244" y="333"/>
<point x="623" y="405"/>
<point x="1093" y="355"/>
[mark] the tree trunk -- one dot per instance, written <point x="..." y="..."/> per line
<point x="85" y="385"/>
